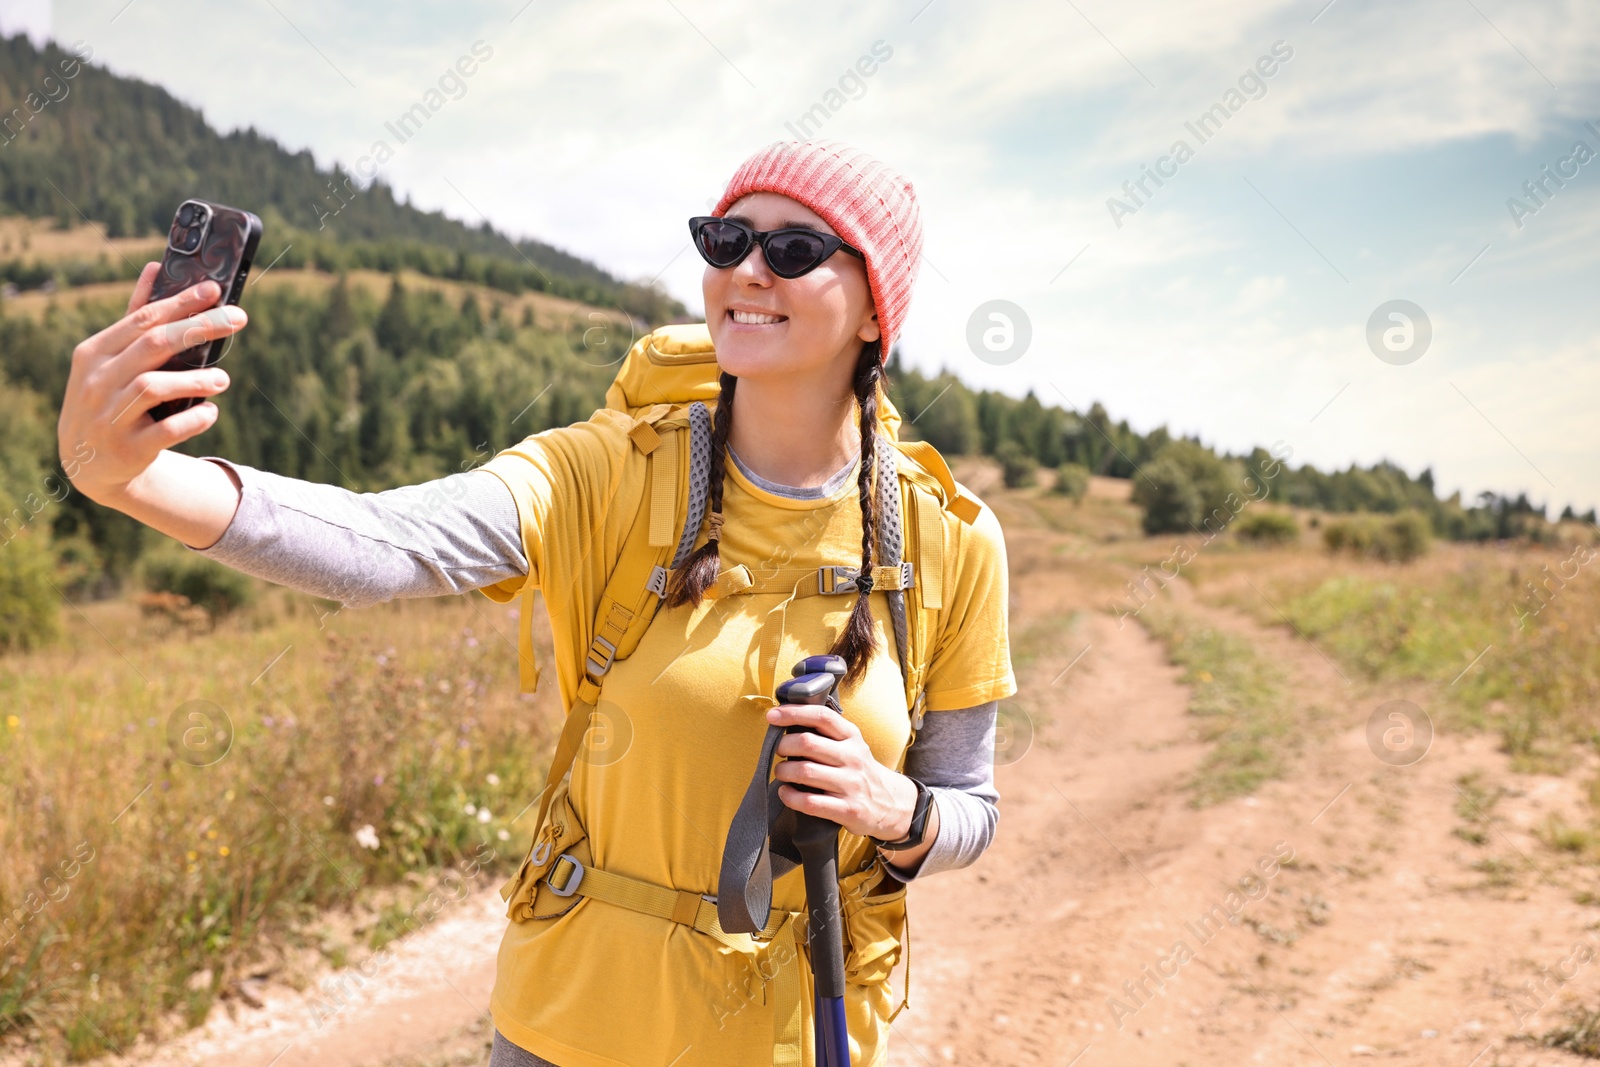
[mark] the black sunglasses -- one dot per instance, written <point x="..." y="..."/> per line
<point x="790" y="252"/>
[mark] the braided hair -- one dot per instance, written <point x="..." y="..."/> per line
<point x="858" y="642"/>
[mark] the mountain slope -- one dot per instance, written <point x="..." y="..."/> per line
<point x="77" y="138"/>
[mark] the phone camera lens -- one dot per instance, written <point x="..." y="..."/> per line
<point x="186" y="215"/>
<point x="191" y="240"/>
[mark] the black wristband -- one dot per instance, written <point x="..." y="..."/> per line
<point x="919" y="821"/>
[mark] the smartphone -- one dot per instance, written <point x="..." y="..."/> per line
<point x="212" y="241"/>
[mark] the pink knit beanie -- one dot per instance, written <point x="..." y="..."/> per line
<point x="870" y="205"/>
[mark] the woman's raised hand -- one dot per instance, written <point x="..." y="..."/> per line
<point x="115" y="381"/>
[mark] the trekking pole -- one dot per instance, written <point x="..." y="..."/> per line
<point x="817" y="840"/>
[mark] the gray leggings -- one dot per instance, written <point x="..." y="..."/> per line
<point x="505" y="1054"/>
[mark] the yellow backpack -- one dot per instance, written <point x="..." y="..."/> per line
<point x="668" y="383"/>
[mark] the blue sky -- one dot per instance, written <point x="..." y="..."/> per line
<point x="1233" y="304"/>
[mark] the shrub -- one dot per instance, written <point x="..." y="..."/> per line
<point x="1168" y="496"/>
<point x="1394" y="538"/>
<point x="29" y="605"/>
<point x="1409" y="534"/>
<point x="1267" y="527"/>
<point x="1072" y="480"/>
<point x="1019" y="469"/>
<point x="1185" y="487"/>
<point x="218" y="589"/>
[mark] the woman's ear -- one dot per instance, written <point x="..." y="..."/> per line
<point x="870" y="330"/>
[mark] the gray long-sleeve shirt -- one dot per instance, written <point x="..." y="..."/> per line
<point x="461" y="532"/>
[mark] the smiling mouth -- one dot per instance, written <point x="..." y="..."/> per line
<point x="750" y="318"/>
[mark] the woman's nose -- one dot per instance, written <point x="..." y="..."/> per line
<point x="753" y="269"/>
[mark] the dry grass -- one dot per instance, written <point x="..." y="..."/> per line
<point x="1241" y="700"/>
<point x="1463" y="619"/>
<point x="139" y="881"/>
<point x="549" y="312"/>
<point x="38" y="241"/>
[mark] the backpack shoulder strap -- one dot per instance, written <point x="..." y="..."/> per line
<point x="658" y="540"/>
<point x="932" y="464"/>
<point x="638" y="580"/>
<point x="927" y="491"/>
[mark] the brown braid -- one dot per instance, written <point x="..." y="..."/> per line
<point x="859" y="640"/>
<point x="690" y="581"/>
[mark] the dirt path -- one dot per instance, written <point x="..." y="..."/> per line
<point x="1392" y="934"/>
<point x="426" y="1003"/>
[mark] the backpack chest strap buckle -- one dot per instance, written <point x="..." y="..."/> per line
<point x="834" y="580"/>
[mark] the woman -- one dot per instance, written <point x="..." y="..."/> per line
<point x="801" y="327"/>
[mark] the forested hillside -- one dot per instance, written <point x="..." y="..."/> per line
<point x="79" y="142"/>
<point x="1180" y="481"/>
<point x="330" y="383"/>
<point x="338" y="384"/>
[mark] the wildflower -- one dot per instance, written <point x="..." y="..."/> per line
<point x="471" y="809"/>
<point x="192" y="855"/>
<point x="504" y="835"/>
<point x="211" y="835"/>
<point x="12" y="722"/>
<point x="483" y="815"/>
<point x="328" y="801"/>
<point x="223" y="851"/>
<point x="492" y="778"/>
<point x="377" y="779"/>
<point x="367" y="837"/>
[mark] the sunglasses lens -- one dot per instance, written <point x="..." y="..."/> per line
<point x="722" y="244"/>
<point x="793" y="253"/>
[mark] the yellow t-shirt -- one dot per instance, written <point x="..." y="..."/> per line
<point x="604" y="986"/>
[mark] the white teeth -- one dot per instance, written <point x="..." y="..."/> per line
<point x="750" y="318"/>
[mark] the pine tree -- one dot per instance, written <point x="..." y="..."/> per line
<point x="339" y="319"/>
<point x="394" y="330"/>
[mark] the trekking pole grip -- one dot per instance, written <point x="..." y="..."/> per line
<point x="817" y="841"/>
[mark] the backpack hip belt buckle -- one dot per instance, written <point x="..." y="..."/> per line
<point x="573" y="880"/>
